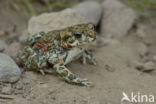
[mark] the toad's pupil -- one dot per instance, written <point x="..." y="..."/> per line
<point x="78" y="36"/>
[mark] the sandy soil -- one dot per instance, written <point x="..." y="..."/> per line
<point x="114" y="73"/>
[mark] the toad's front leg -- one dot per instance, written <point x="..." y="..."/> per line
<point x="89" y="55"/>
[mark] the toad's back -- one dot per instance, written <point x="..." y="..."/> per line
<point x="37" y="53"/>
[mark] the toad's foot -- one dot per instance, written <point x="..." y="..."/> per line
<point x="89" y="55"/>
<point x="70" y="77"/>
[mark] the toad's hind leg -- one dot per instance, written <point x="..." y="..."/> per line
<point x="62" y="71"/>
<point x="69" y="76"/>
<point x="32" y="39"/>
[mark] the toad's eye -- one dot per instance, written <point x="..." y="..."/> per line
<point x="77" y="35"/>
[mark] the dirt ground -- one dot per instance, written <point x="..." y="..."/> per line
<point x="114" y="73"/>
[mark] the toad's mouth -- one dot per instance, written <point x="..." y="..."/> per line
<point x="78" y="43"/>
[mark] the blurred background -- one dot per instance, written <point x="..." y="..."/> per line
<point x="125" y="50"/>
<point x="16" y="13"/>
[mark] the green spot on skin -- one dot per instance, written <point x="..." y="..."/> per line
<point x="71" y="77"/>
<point x="66" y="37"/>
<point x="57" y="61"/>
<point x="61" y="68"/>
<point x="42" y="33"/>
<point x="72" y="41"/>
<point x="79" y="81"/>
<point x="64" y="73"/>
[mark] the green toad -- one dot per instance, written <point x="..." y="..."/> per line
<point x="57" y="48"/>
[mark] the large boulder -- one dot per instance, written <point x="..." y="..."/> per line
<point x="90" y="10"/>
<point x="86" y="12"/>
<point x="117" y="19"/>
<point x="52" y="21"/>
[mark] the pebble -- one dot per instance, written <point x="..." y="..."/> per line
<point x="141" y="31"/>
<point x="3" y="45"/>
<point x="141" y="48"/>
<point x="154" y="58"/>
<point x="9" y="71"/>
<point x="13" y="50"/>
<point x="145" y="67"/>
<point x="149" y="66"/>
<point x="19" y="85"/>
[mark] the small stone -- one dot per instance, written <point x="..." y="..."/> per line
<point x="43" y="85"/>
<point x="117" y="19"/>
<point x="145" y="67"/>
<point x="139" y="65"/>
<point x="24" y="37"/>
<point x="13" y="50"/>
<point x="19" y="85"/>
<point x="154" y="58"/>
<point x="7" y="90"/>
<point x="141" y="48"/>
<point x="9" y="71"/>
<point x="1" y="32"/>
<point x="91" y="10"/>
<point x="149" y="66"/>
<point x="108" y="68"/>
<point x="141" y="31"/>
<point x="3" y="45"/>
<point x="148" y="42"/>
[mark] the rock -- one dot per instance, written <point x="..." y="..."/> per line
<point x="141" y="31"/>
<point x="55" y="20"/>
<point x="13" y="50"/>
<point x="7" y="90"/>
<point x="141" y="48"/>
<point x="24" y="37"/>
<point x="109" y="68"/>
<point x="145" y="67"/>
<point x="9" y="71"/>
<point x="149" y="66"/>
<point x="83" y="13"/>
<point x="138" y="65"/>
<point x="3" y="45"/>
<point x="1" y="32"/>
<point x="154" y="58"/>
<point x="117" y="19"/>
<point x="19" y="85"/>
<point x="91" y="10"/>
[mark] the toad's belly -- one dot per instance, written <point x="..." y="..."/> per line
<point x="73" y="54"/>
